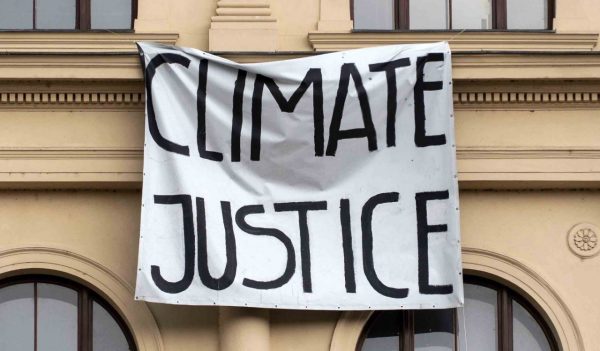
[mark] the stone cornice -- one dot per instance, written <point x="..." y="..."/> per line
<point x="479" y="168"/>
<point x="73" y="100"/>
<point x="73" y="55"/>
<point x="468" y="94"/>
<point x="459" y="41"/>
<point x="78" y="42"/>
<point x="72" y="95"/>
<point x="526" y="100"/>
<point x="64" y="82"/>
<point x="526" y="65"/>
<point x="70" y="66"/>
<point x="527" y="95"/>
<point x="487" y="65"/>
<point x="466" y="65"/>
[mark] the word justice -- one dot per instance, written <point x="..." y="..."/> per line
<point x="200" y="256"/>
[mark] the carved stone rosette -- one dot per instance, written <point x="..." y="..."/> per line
<point x="583" y="240"/>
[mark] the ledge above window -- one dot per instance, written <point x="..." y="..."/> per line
<point x="74" y="55"/>
<point x="506" y="41"/>
<point x="36" y="42"/>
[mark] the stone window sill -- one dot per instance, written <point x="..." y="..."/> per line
<point x="74" y="55"/>
<point x="32" y="42"/>
<point x="540" y="41"/>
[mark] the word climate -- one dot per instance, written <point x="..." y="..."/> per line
<point x="313" y="78"/>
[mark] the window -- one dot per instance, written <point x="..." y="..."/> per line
<point x="41" y="313"/>
<point x="494" y="318"/>
<point x="67" y="14"/>
<point x="453" y="14"/>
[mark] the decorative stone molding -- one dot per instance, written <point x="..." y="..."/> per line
<point x="243" y="25"/>
<point x="493" y="153"/>
<point x="498" y="66"/>
<point x="459" y="41"/>
<point x="72" y="153"/>
<point x="56" y="95"/>
<point x="62" y="83"/>
<point x="528" y="100"/>
<point x="71" y="168"/>
<point x="135" y="100"/>
<point x="470" y="67"/>
<point x="74" y="55"/>
<point x="534" y="287"/>
<point x="526" y="66"/>
<point x="78" y="42"/>
<point x="583" y="240"/>
<point x="111" y="167"/>
<point x="62" y="262"/>
<point x="526" y="94"/>
<point x="70" y="100"/>
<point x="467" y="95"/>
<point x="528" y="168"/>
<point x="70" y="66"/>
<point x="524" y="97"/>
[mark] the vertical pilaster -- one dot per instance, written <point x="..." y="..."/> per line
<point x="243" y="329"/>
<point x="243" y="25"/>
<point x="152" y="16"/>
<point x="335" y="16"/>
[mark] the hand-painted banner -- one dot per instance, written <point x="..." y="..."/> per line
<point x="327" y="182"/>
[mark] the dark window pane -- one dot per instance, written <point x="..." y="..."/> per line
<point x="530" y="14"/>
<point x="55" y="14"/>
<point x="434" y="330"/>
<point x="429" y="14"/>
<point x="107" y="335"/>
<point x="16" y="14"/>
<point x="527" y="333"/>
<point x="16" y="317"/>
<point x="479" y="319"/>
<point x="384" y="333"/>
<point x="373" y="14"/>
<point x="57" y="318"/>
<point x="472" y="14"/>
<point x="111" y="14"/>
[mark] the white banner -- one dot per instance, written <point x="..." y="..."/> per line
<point x="327" y="182"/>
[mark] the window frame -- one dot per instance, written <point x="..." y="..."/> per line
<point x="506" y="296"/>
<point x="401" y="10"/>
<point x="83" y="19"/>
<point x="504" y="318"/>
<point x="85" y="299"/>
<point x="407" y="334"/>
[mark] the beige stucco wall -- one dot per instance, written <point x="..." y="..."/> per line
<point x="528" y="226"/>
<point x="71" y="135"/>
<point x="292" y="20"/>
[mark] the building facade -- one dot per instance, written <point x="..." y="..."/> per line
<point x="527" y="106"/>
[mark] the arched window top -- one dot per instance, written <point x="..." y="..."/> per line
<point x="453" y="14"/>
<point x="49" y="313"/>
<point x="494" y="318"/>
